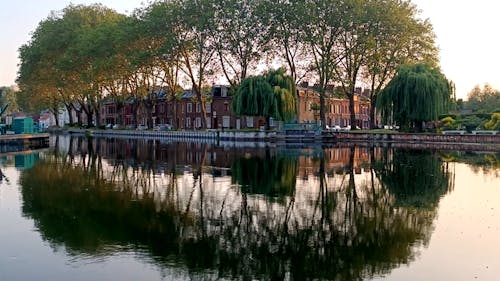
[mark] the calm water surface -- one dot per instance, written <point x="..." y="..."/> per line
<point x="113" y="209"/>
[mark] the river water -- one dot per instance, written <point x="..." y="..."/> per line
<point x="117" y="209"/>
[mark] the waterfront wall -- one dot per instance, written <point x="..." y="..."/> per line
<point x="274" y="137"/>
<point x="417" y="138"/>
<point x="185" y="135"/>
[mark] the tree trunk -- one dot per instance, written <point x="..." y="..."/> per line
<point x="79" y="117"/>
<point x="135" y="109"/>
<point x="56" y="116"/>
<point x="70" y="115"/>
<point x="322" y="107"/>
<point x="97" y="118"/>
<point x="119" y="110"/>
<point x="373" y="121"/>
<point x="352" y="111"/>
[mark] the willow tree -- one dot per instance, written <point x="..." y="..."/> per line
<point x="254" y="98"/>
<point x="417" y="93"/>
<point x="269" y="96"/>
<point x="284" y="92"/>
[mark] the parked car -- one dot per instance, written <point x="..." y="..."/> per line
<point x="335" y="128"/>
<point x="163" y="127"/>
<point x="142" y="127"/>
<point x="346" y="128"/>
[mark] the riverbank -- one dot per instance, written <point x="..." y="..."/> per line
<point x="259" y="138"/>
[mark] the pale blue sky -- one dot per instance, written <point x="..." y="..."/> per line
<point x="467" y="34"/>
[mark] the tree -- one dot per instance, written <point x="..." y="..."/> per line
<point x="354" y="42"/>
<point x="493" y="123"/>
<point x="269" y="96"/>
<point x="241" y="37"/>
<point x="58" y="66"/>
<point x="284" y="92"/>
<point x="8" y="97"/>
<point x="285" y="22"/>
<point x="161" y="24"/>
<point x="486" y="99"/>
<point x="400" y="37"/>
<point x="322" y="24"/>
<point x="417" y="93"/>
<point x="195" y="19"/>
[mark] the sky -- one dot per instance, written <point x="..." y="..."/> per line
<point x="467" y="35"/>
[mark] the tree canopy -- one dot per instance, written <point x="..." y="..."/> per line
<point x="83" y="54"/>
<point x="486" y="99"/>
<point x="416" y="94"/>
<point x="271" y="95"/>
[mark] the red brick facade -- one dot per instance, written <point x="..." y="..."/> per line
<point x="188" y="114"/>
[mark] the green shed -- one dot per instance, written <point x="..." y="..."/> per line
<point x="23" y="125"/>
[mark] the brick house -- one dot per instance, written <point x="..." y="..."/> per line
<point x="337" y="109"/>
<point x="219" y="114"/>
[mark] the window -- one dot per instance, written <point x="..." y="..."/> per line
<point x="198" y="122"/>
<point x="209" y="122"/>
<point x="110" y="109"/>
<point x="226" y="121"/>
<point x="198" y="107"/>
<point x="208" y="107"/>
<point x="272" y="122"/>
<point x="249" y="122"/>
<point x="189" y="108"/>
<point x="188" y="123"/>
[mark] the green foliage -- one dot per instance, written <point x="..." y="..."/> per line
<point x="9" y="99"/>
<point x="471" y="122"/>
<point x="269" y="96"/>
<point x="415" y="178"/>
<point x="284" y="93"/>
<point x="447" y="123"/>
<point x="254" y="97"/>
<point x="416" y="94"/>
<point x="486" y="100"/>
<point x="493" y="123"/>
<point x="272" y="176"/>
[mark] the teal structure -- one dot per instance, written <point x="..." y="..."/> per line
<point x="23" y="125"/>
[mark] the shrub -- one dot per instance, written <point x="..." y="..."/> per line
<point x="447" y="123"/>
<point x="493" y="123"/>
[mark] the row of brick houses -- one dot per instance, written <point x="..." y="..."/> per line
<point x="219" y="114"/>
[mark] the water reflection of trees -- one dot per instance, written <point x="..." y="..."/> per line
<point x="487" y="163"/>
<point x="338" y="226"/>
<point x="270" y="175"/>
<point x="416" y="178"/>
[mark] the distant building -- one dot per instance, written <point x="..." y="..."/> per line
<point x="337" y="111"/>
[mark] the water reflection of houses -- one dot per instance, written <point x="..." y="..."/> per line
<point x="168" y="155"/>
<point x="336" y="160"/>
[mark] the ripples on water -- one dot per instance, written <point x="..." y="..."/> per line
<point x="113" y="209"/>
